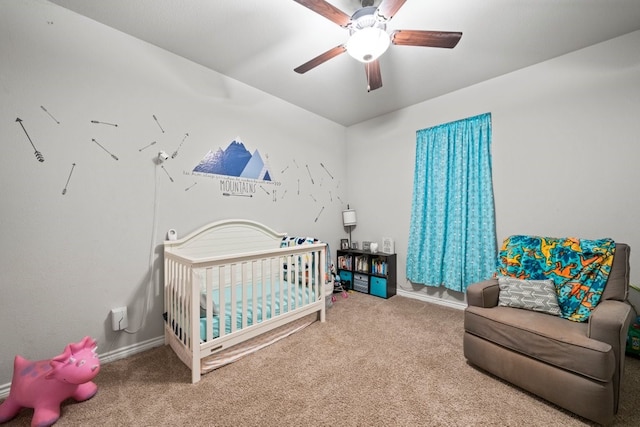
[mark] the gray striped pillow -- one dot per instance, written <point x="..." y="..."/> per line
<point x="536" y="295"/>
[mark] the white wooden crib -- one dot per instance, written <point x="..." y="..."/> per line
<point x="230" y="289"/>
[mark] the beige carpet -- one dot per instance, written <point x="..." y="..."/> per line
<point x="374" y="362"/>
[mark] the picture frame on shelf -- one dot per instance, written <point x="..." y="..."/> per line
<point x="344" y="243"/>
<point x="366" y="245"/>
<point x="354" y="245"/>
<point x="388" y="246"/>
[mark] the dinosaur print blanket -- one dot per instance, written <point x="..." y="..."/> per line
<point x="579" y="268"/>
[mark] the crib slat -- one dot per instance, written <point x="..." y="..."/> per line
<point x="297" y="288"/>
<point x="244" y="279"/>
<point x="322" y="277"/>
<point x="222" y="301"/>
<point x="297" y="278"/>
<point x="209" y="301"/>
<point x="193" y="316"/>
<point x="273" y="262"/>
<point x="183" y="318"/>
<point x="254" y="293"/>
<point x="290" y="278"/>
<point x="317" y="281"/>
<point x="263" y="280"/>
<point x="234" y="297"/>
<point x="306" y="277"/>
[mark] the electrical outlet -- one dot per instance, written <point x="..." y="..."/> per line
<point x="119" y="320"/>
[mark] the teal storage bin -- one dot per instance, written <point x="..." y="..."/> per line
<point x="378" y="287"/>
<point x="347" y="279"/>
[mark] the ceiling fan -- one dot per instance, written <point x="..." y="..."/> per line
<point x="368" y="37"/>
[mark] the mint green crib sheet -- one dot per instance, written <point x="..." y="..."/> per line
<point x="262" y="309"/>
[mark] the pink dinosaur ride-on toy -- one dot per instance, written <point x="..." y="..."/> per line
<point x="45" y="384"/>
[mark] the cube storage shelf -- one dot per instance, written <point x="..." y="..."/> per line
<point x="367" y="272"/>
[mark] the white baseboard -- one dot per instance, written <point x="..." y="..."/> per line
<point x="132" y="349"/>
<point x="432" y="300"/>
<point x="4" y="390"/>
<point x="110" y="356"/>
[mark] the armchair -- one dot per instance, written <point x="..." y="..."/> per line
<point x="575" y="365"/>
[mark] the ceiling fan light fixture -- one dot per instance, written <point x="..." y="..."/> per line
<point x="368" y="44"/>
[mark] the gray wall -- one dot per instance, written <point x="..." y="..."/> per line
<point x="565" y="153"/>
<point x="67" y="260"/>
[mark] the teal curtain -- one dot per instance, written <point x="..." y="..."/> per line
<point x="452" y="240"/>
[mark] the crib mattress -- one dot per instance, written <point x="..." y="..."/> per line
<point x="293" y="296"/>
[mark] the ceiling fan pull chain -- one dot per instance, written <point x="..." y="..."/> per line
<point x="368" y="64"/>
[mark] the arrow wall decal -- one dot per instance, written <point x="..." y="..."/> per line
<point x="38" y="154"/>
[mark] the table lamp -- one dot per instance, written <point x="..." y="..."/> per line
<point x="349" y="219"/>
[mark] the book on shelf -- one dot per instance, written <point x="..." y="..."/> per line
<point x="379" y="267"/>
<point x="344" y="262"/>
<point x="361" y="264"/>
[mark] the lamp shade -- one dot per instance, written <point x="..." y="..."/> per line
<point x="368" y="44"/>
<point x="349" y="217"/>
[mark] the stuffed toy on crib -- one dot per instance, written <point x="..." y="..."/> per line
<point x="45" y="384"/>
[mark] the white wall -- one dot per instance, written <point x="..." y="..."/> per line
<point x="565" y="153"/>
<point x="66" y="260"/>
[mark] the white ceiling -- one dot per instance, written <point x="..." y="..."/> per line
<point x="260" y="42"/>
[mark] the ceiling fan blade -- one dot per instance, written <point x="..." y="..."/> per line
<point x="374" y="77"/>
<point x="327" y="10"/>
<point x="388" y="8"/>
<point x="324" y="57"/>
<point x="446" y="39"/>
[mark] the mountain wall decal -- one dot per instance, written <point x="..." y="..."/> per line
<point x="234" y="161"/>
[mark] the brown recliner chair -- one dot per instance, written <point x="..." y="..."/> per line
<point x="577" y="366"/>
